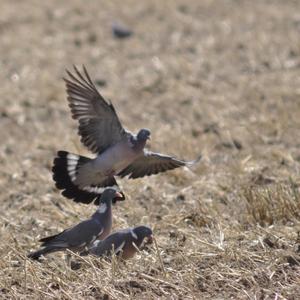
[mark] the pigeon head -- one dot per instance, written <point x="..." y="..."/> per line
<point x="144" y="232"/>
<point x="111" y="195"/>
<point x="143" y="135"/>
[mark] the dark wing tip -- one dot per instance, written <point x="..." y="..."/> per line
<point x="75" y="68"/>
<point x="85" y="70"/>
<point x="69" y="73"/>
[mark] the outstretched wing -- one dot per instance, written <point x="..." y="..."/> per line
<point x="152" y="163"/>
<point x="99" y="125"/>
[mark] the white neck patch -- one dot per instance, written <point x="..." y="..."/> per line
<point x="102" y="208"/>
<point x="120" y="248"/>
<point x="133" y="234"/>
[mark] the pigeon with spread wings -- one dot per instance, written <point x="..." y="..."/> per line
<point x="118" y="151"/>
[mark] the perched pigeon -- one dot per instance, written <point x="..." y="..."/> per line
<point x="123" y="243"/>
<point x="119" y="152"/>
<point x="82" y="235"/>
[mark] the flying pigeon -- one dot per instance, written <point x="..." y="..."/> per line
<point x="124" y="243"/>
<point x="82" y="235"/>
<point x="118" y="151"/>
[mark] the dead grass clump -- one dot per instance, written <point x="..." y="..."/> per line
<point x="252" y="264"/>
<point x="275" y="203"/>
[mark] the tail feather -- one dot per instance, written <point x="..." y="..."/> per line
<point x="37" y="254"/>
<point x="65" y="168"/>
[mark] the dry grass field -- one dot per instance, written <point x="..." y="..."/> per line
<point x="221" y="78"/>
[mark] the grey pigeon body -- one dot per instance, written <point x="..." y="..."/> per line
<point x="118" y="151"/>
<point x="82" y="235"/>
<point x="123" y="243"/>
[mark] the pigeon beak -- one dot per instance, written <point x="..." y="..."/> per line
<point x="119" y="195"/>
<point x="149" y="240"/>
<point x="148" y="138"/>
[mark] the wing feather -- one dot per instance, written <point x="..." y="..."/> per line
<point x="153" y="163"/>
<point x="99" y="125"/>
